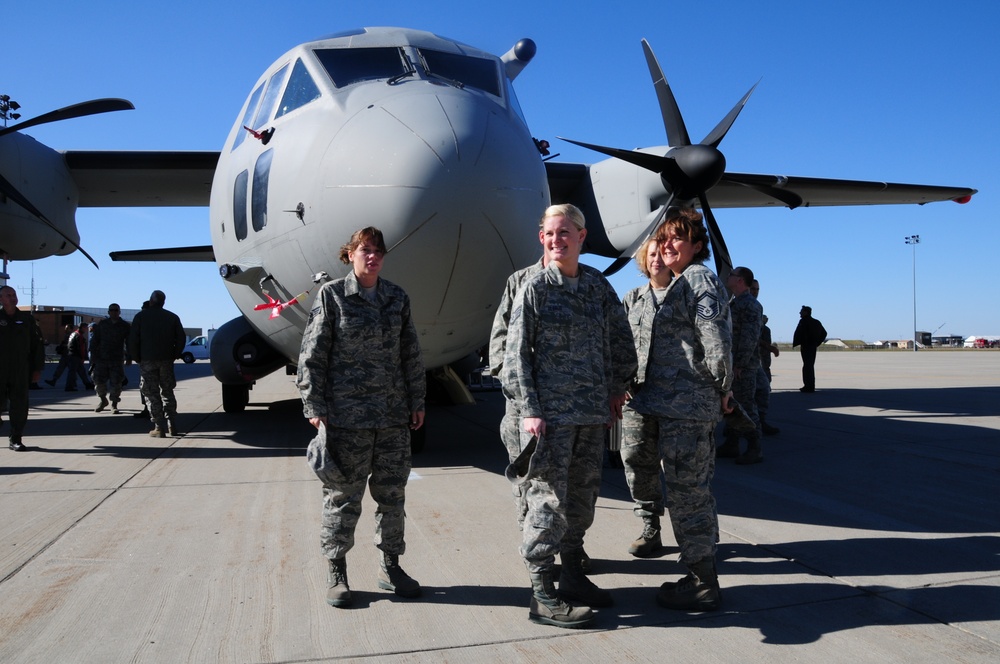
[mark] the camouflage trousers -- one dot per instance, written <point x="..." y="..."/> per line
<point x="744" y="391"/>
<point x="762" y="393"/>
<point x="641" y="458"/>
<point x="685" y="451"/>
<point x="108" y="379"/>
<point x="379" y="458"/>
<point x="158" y="383"/>
<point x="560" y="492"/>
<point x="511" y="436"/>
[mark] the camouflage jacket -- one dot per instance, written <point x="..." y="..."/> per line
<point x="360" y="364"/>
<point x="567" y="350"/>
<point x="498" y="336"/>
<point x="684" y="347"/>
<point x="747" y="319"/>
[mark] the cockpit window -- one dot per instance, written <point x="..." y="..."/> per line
<point x="270" y="98"/>
<point x="251" y="110"/>
<point x="350" y="65"/>
<point x="301" y="90"/>
<point x="478" y="73"/>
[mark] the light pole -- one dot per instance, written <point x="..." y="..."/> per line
<point x="914" y="240"/>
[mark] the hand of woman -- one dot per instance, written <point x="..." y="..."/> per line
<point x="535" y="426"/>
<point x="416" y="419"/>
<point x="316" y="421"/>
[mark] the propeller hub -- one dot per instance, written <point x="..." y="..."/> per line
<point x="699" y="168"/>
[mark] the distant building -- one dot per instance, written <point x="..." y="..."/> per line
<point x="52" y="319"/>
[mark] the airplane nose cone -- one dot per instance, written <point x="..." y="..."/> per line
<point x="455" y="182"/>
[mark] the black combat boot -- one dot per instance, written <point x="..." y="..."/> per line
<point x="754" y="454"/>
<point x="338" y="593"/>
<point x="574" y="584"/>
<point x="392" y="577"/>
<point x="698" y="591"/>
<point x="649" y="542"/>
<point x="729" y="449"/>
<point x="547" y="608"/>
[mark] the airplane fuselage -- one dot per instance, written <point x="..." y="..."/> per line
<point x="348" y="138"/>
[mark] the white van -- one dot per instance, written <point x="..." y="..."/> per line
<point x="196" y="349"/>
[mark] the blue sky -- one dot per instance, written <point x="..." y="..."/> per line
<point x="902" y="91"/>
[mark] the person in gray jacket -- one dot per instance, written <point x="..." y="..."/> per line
<point x="362" y="382"/>
<point x="156" y="340"/>
<point x="683" y="338"/>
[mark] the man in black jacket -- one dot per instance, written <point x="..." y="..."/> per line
<point x="22" y="356"/>
<point x="156" y="340"/>
<point x="809" y="334"/>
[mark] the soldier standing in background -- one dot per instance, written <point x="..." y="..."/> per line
<point x="747" y="316"/>
<point x="568" y="361"/>
<point x="510" y="424"/>
<point x="765" y="347"/>
<point x="156" y="340"/>
<point x="107" y="356"/>
<point x="809" y="334"/>
<point x="22" y="358"/>
<point x="362" y="382"/>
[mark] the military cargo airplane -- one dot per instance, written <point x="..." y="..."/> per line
<point x="416" y="134"/>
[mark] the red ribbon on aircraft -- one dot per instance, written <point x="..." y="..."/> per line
<point x="277" y="306"/>
<point x="256" y="134"/>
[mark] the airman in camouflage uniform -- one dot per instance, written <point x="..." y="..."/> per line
<point x="683" y="339"/>
<point x="568" y="360"/>
<point x="361" y="375"/>
<point x="107" y="357"/>
<point x="748" y="317"/>
<point x="510" y="425"/>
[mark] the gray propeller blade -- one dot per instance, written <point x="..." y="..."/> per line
<point x="723" y="262"/>
<point x="650" y="162"/>
<point x="789" y="198"/>
<point x="673" y="122"/>
<point x="13" y="194"/>
<point x="629" y="253"/>
<point x="716" y="135"/>
<point x="80" y="110"/>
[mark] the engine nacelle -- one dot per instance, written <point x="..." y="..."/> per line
<point x="240" y="356"/>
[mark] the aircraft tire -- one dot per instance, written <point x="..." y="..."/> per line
<point x="235" y="398"/>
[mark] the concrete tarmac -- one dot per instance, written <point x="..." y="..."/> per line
<point x="871" y="533"/>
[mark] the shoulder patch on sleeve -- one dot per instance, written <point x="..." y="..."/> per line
<point x="708" y="306"/>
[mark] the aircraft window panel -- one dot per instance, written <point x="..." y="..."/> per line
<point x="351" y="65"/>
<point x="270" y="97"/>
<point x="301" y="90"/>
<point x="258" y="200"/>
<point x="240" y="205"/>
<point x="248" y="115"/>
<point x="478" y="73"/>
<point x="514" y="103"/>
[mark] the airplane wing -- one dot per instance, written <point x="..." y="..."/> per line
<point x="570" y="183"/>
<point x="142" y="179"/>
<point x="202" y="253"/>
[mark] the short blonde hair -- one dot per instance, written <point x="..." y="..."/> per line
<point x="567" y="210"/>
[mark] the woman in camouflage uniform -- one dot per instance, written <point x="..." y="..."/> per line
<point x="683" y="339"/>
<point x="362" y="383"/>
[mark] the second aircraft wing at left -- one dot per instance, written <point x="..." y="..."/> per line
<point x="142" y="178"/>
